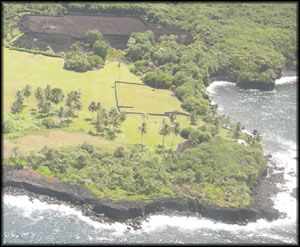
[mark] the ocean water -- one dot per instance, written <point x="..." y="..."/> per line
<point x="271" y="113"/>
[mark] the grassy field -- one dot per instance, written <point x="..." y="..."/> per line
<point x="146" y="99"/>
<point x="20" y="69"/>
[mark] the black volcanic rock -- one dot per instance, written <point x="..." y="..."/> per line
<point x="30" y="181"/>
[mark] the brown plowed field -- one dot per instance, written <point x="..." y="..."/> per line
<point x="61" y="31"/>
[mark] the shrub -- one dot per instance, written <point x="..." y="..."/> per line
<point x="161" y="80"/>
<point x="48" y="123"/>
<point x="199" y="105"/>
<point x="13" y="123"/>
<point x="186" y="132"/>
<point x="93" y="36"/>
<point x="100" y="48"/>
<point x="77" y="62"/>
<point x="95" y="61"/>
<point x="88" y="147"/>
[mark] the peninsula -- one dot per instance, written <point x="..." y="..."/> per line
<point x="117" y="121"/>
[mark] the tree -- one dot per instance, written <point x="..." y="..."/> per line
<point x="176" y="131"/>
<point x="98" y="108"/>
<point x="92" y="107"/>
<point x="143" y="130"/>
<point x="100" y="48"/>
<point x="217" y="123"/>
<point x="194" y="138"/>
<point x="92" y="36"/>
<point x="61" y="113"/>
<point x="45" y="106"/>
<point x="193" y="118"/>
<point x="19" y="95"/>
<point x="238" y="131"/>
<point x="78" y="106"/>
<point x="158" y="80"/>
<point x="164" y="131"/>
<point x="57" y="96"/>
<point x="69" y="104"/>
<point x="144" y="116"/>
<point x="38" y="94"/>
<point x="27" y="92"/>
<point x="172" y="118"/>
<point x="48" y="92"/>
<point x="16" y="107"/>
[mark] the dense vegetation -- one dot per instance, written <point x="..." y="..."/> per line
<point x="215" y="172"/>
<point x="247" y="43"/>
<point x="77" y="59"/>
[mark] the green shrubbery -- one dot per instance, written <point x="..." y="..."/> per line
<point x="78" y="61"/>
<point x="13" y="123"/>
<point x="158" y="80"/>
<point x="216" y="171"/>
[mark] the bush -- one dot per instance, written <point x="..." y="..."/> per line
<point x="95" y="61"/>
<point x="48" y="123"/>
<point x="88" y="147"/>
<point x="161" y="80"/>
<point x="186" y="132"/>
<point x="92" y="36"/>
<point x="100" y="48"/>
<point x="199" y="105"/>
<point x="77" y="62"/>
<point x="13" y="123"/>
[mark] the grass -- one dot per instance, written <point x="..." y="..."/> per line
<point x="146" y="99"/>
<point x="20" y="69"/>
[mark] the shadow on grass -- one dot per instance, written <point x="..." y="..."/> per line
<point x="88" y="119"/>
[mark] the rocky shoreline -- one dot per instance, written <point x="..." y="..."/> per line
<point x="19" y="181"/>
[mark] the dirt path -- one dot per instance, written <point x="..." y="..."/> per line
<point x="56" y="138"/>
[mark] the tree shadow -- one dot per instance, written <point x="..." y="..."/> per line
<point x="88" y="119"/>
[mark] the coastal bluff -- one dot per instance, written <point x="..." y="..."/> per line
<point x="30" y="181"/>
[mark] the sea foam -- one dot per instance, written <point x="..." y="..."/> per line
<point x="214" y="84"/>
<point x="286" y="80"/>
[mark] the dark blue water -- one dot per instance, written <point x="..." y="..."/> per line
<point x="272" y="113"/>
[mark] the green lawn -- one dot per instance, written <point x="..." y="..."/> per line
<point x="146" y="99"/>
<point x="21" y="68"/>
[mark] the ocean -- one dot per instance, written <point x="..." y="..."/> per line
<point x="273" y="114"/>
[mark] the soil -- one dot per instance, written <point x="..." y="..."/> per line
<point x="60" y="32"/>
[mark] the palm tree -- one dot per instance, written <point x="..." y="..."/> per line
<point x="144" y="116"/>
<point x="143" y="130"/>
<point x="48" y="92"/>
<point x="38" y="94"/>
<point x="176" y="131"/>
<point x="69" y="102"/>
<point x="164" y="131"/>
<point x="112" y="115"/>
<point x="19" y="94"/>
<point x="98" y="108"/>
<point x="92" y="108"/>
<point x="57" y="96"/>
<point x="61" y="113"/>
<point x="27" y="92"/>
<point x="172" y="117"/>
<point x="16" y="107"/>
<point x="78" y="106"/>
<point x="19" y="99"/>
<point x="76" y="96"/>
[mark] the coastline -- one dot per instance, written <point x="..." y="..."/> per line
<point x="25" y="181"/>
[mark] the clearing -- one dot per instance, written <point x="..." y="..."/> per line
<point x="141" y="98"/>
<point x="20" y="69"/>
